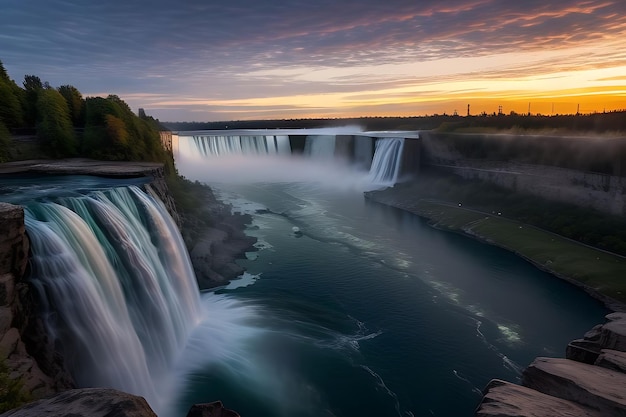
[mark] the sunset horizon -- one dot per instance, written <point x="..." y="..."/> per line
<point x="247" y="62"/>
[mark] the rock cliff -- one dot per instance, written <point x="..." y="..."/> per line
<point x="25" y="346"/>
<point x="102" y="402"/>
<point x="589" y="382"/>
<point x="555" y="168"/>
<point x="24" y="343"/>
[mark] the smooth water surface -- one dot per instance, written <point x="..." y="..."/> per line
<point x="367" y="310"/>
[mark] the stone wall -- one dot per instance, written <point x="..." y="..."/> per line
<point x="603" y="192"/>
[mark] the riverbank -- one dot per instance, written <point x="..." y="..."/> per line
<point x="598" y="272"/>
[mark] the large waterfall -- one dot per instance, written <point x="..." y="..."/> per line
<point x="320" y="147"/>
<point x="117" y="286"/>
<point x="387" y="159"/>
<point x="220" y="145"/>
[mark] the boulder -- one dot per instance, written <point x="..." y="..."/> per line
<point x="614" y="333"/>
<point x="504" y="399"/>
<point x="591" y="386"/>
<point x="214" y="409"/>
<point x="612" y="359"/>
<point x="92" y="402"/>
<point x="582" y="350"/>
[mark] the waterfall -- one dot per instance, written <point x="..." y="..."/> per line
<point x="363" y="151"/>
<point x="117" y="287"/>
<point x="387" y="158"/>
<point x="320" y="147"/>
<point x="222" y="145"/>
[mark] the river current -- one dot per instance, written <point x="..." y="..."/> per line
<point x="351" y="308"/>
<point x="347" y="308"/>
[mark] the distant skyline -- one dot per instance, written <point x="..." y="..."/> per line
<point x="201" y="60"/>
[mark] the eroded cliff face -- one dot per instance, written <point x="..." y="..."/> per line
<point x="24" y="343"/>
<point x="585" y="172"/>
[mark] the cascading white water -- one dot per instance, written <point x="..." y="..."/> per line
<point x="387" y="158"/>
<point x="121" y="297"/>
<point x="212" y="145"/>
<point x="321" y="147"/>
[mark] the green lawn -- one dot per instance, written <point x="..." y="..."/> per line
<point x="599" y="270"/>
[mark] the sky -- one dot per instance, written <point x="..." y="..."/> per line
<point x="214" y="60"/>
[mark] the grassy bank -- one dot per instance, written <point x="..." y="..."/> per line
<point x="599" y="272"/>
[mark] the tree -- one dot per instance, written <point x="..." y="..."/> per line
<point x="54" y="127"/>
<point x="11" y="113"/>
<point x="10" y="106"/>
<point x="3" y="73"/>
<point x="5" y="140"/>
<point x="32" y="86"/>
<point x="75" y="103"/>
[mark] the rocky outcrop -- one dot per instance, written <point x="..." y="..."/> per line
<point x="214" y="409"/>
<point x="590" y="381"/>
<point x="214" y="253"/>
<point x="504" y="399"/>
<point x="104" y="402"/>
<point x="158" y="189"/>
<point x="92" y="402"/>
<point x="24" y="344"/>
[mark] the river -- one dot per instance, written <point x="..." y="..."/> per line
<point x="351" y="308"/>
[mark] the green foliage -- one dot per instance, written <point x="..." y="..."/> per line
<point x="5" y="140"/>
<point x="11" y="393"/>
<point x="114" y="132"/>
<point x="54" y="127"/>
<point x="584" y="225"/>
<point x="10" y="105"/>
<point x="32" y="87"/>
<point x="11" y="113"/>
<point x="75" y="103"/>
<point x="191" y="202"/>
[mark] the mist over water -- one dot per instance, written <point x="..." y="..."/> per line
<point x="367" y="310"/>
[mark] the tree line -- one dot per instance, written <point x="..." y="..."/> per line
<point x="68" y="125"/>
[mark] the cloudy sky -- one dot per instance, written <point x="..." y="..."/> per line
<point x="204" y="60"/>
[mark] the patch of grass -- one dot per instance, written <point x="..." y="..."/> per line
<point x="11" y="390"/>
<point x="599" y="270"/>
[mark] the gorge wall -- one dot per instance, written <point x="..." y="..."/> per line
<point x="583" y="171"/>
<point x="25" y="346"/>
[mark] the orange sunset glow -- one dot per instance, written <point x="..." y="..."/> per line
<point x="368" y="59"/>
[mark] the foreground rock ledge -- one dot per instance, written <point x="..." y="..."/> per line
<point x="102" y="402"/>
<point x="88" y="402"/>
<point x="590" y="382"/>
<point x="504" y="399"/>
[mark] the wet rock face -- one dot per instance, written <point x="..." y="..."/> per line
<point x="589" y="382"/>
<point x="214" y="409"/>
<point x="92" y="402"/>
<point x="24" y="345"/>
<point x="13" y="244"/>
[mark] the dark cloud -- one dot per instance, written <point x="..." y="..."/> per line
<point x="168" y="45"/>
